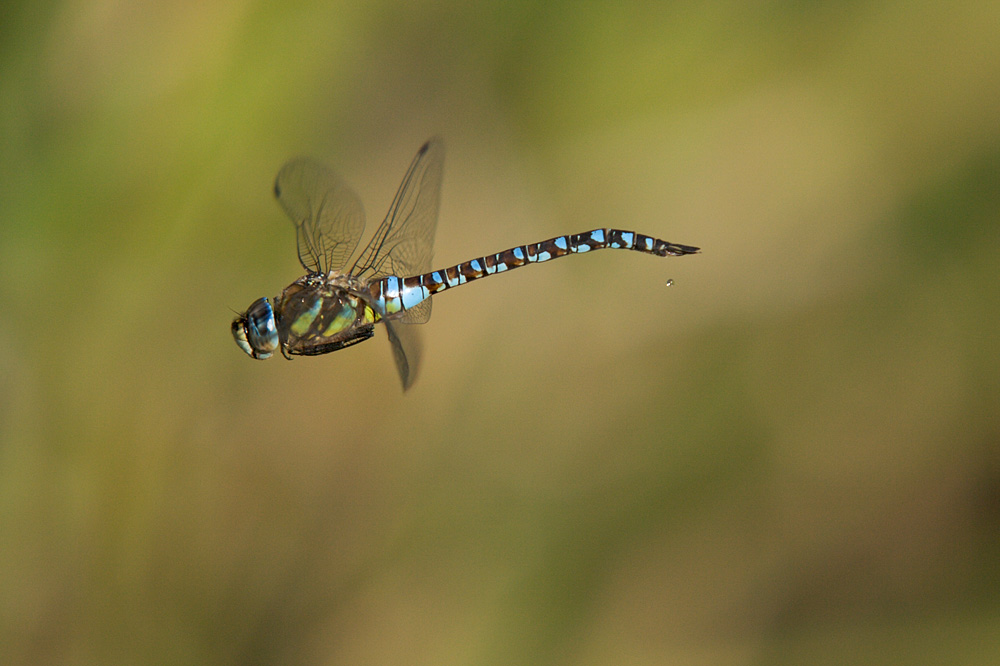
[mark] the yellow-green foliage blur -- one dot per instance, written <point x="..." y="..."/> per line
<point x="790" y="456"/>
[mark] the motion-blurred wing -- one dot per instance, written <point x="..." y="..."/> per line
<point x="406" y="350"/>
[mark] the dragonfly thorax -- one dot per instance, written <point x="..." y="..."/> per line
<point x="314" y="315"/>
<point x="318" y="314"/>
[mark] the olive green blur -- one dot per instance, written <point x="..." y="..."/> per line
<point x="789" y="456"/>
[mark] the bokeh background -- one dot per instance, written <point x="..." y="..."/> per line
<point x="790" y="456"/>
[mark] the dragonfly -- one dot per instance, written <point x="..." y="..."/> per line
<point x="391" y="282"/>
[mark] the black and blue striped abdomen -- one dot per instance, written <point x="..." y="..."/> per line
<point x="396" y="294"/>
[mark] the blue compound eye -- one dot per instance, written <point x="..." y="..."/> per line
<point x="255" y="331"/>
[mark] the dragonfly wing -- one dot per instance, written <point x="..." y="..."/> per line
<point x="418" y="314"/>
<point x="404" y="243"/>
<point x="328" y="216"/>
<point x="406" y="349"/>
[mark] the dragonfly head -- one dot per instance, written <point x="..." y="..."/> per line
<point x="255" y="331"/>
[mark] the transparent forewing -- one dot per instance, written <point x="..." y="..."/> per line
<point x="404" y="243"/>
<point x="328" y="216"/>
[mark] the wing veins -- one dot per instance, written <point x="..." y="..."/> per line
<point x="418" y="194"/>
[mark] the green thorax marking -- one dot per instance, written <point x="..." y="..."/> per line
<point x="318" y="310"/>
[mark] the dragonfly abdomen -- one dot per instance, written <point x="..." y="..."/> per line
<point x="397" y="294"/>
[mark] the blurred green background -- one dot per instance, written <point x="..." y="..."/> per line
<point x="788" y="457"/>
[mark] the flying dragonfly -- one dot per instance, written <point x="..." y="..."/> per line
<point x="391" y="281"/>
